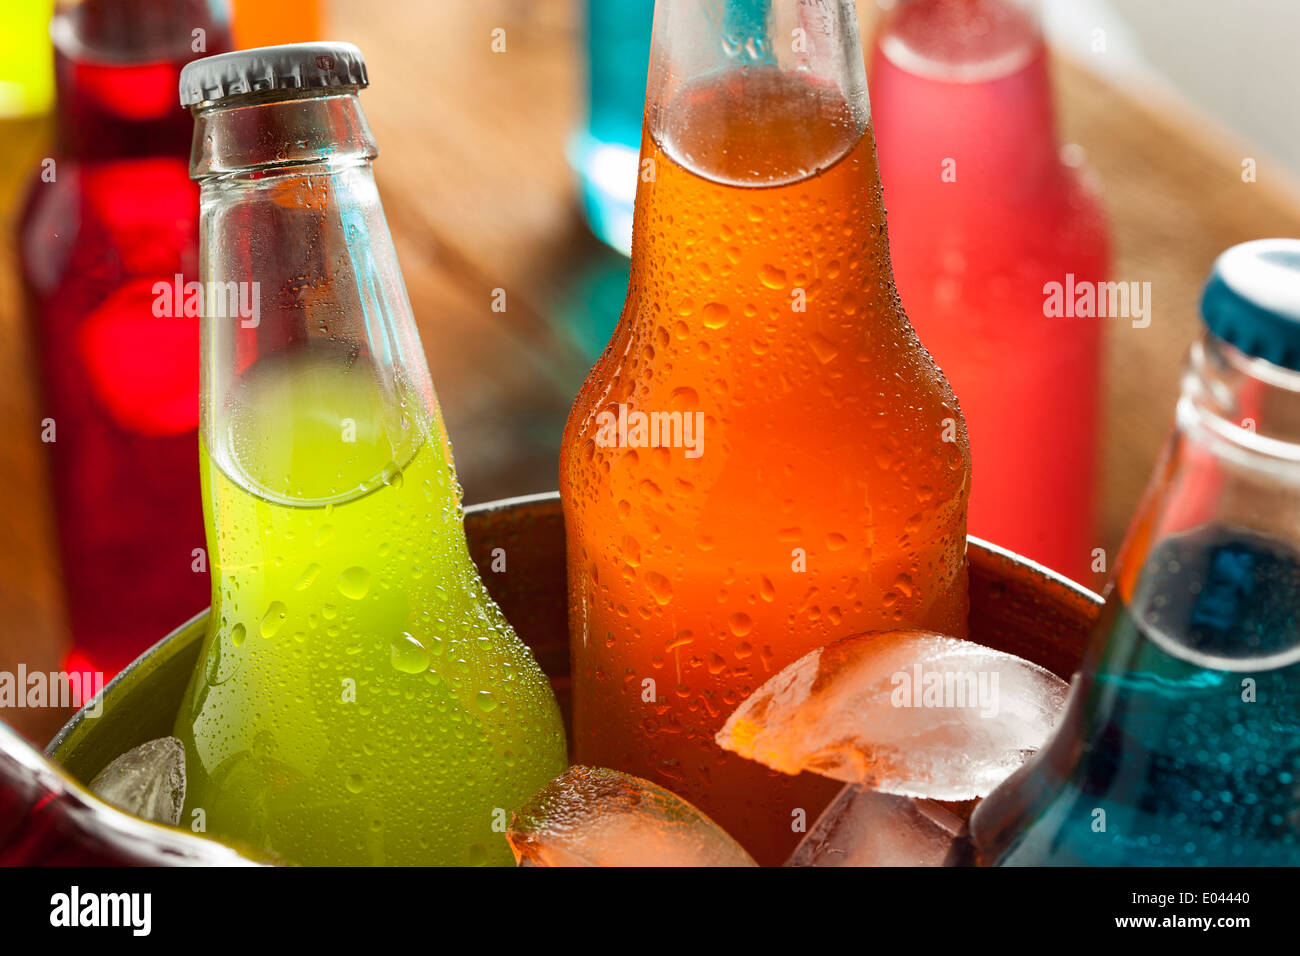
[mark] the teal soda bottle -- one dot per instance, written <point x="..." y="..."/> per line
<point x="1180" y="745"/>
<point x="606" y="151"/>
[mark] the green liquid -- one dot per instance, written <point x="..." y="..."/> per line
<point x="359" y="698"/>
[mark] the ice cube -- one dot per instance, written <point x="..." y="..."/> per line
<point x="148" y="780"/>
<point x="905" y="712"/>
<point x="589" y="816"/>
<point x="868" y="828"/>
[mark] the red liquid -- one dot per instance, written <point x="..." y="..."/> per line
<point x="120" y="383"/>
<point x="967" y="81"/>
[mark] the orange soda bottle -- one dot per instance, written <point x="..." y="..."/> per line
<point x="258" y="23"/>
<point x="765" y="458"/>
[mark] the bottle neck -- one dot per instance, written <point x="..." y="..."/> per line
<point x="756" y="92"/>
<point x="279" y="134"/>
<point x="1203" y="607"/>
<point x="1233" y="461"/>
<point x="117" y="68"/>
<point x="1206" y="582"/>
<point x="961" y="41"/>
<point x="964" y="86"/>
<point x="292" y="227"/>
<point x="758" y="153"/>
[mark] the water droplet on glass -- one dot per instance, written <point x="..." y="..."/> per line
<point x="273" y="618"/>
<point x="660" y="587"/>
<point x="685" y="399"/>
<point x="772" y="277"/>
<point x="354" y="583"/>
<point x="408" y="655"/>
<point x="823" y="348"/>
<point x="308" y="577"/>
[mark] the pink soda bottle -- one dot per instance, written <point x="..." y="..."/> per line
<point x="110" y="215"/>
<point x="983" y="214"/>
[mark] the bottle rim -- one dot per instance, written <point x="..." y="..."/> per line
<point x="64" y="37"/>
<point x="1204" y="401"/>
<point x="312" y="68"/>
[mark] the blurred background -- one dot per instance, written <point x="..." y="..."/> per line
<point x="1229" y="62"/>
<point x="488" y="162"/>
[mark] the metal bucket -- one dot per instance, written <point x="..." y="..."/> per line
<point x="1016" y="606"/>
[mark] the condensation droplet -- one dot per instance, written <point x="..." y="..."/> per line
<point x="716" y="315"/>
<point x="772" y="277"/>
<point x="273" y="618"/>
<point x="354" y="583"/>
<point x="308" y="577"/>
<point x="408" y="655"/>
<point x="660" y="587"/>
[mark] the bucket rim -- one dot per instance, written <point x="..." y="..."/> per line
<point x="992" y="559"/>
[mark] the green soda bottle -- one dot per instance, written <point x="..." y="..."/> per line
<point x="359" y="698"/>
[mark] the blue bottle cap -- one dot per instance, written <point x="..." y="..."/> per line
<point x="1252" y="300"/>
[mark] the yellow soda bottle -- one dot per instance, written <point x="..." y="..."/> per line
<point x="359" y="698"/>
<point x="26" y="58"/>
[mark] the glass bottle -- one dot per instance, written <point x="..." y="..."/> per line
<point x="765" y="458"/>
<point x="26" y="76"/>
<point x="359" y="697"/>
<point x="258" y="23"/>
<point x="986" y="210"/>
<point x="110" y="220"/>
<point x="1181" y="742"/>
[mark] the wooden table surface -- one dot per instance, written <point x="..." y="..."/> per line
<point x="479" y="198"/>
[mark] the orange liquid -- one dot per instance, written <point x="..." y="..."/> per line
<point x="823" y="499"/>
<point x="259" y="23"/>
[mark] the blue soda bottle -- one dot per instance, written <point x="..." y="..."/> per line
<point x="605" y="154"/>
<point x="1181" y="742"/>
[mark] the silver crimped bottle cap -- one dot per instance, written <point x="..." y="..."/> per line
<point x="293" y="66"/>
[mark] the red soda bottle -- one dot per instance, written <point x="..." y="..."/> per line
<point x="110" y="223"/>
<point x="983" y="213"/>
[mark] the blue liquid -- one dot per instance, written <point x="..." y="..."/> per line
<point x="606" y="154"/>
<point x="1164" y="741"/>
